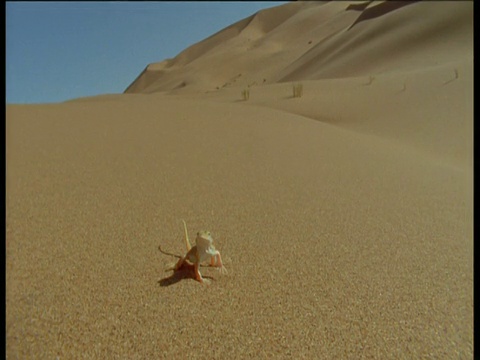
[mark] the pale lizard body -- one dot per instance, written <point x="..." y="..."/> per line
<point x="202" y="251"/>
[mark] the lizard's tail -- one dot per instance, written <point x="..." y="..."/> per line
<point x="187" y="241"/>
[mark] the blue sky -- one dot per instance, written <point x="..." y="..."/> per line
<point x="56" y="51"/>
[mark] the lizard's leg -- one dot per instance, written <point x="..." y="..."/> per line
<point x="213" y="261"/>
<point x="187" y="241"/>
<point x="216" y="261"/>
<point x="198" y="276"/>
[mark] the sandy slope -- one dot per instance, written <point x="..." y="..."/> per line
<point x="344" y="217"/>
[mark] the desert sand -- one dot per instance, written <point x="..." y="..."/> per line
<point x="344" y="216"/>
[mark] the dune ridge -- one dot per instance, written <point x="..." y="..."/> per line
<point x="312" y="41"/>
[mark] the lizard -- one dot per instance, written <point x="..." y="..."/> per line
<point x="203" y="250"/>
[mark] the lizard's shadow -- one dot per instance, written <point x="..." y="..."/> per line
<point x="186" y="271"/>
<point x="177" y="276"/>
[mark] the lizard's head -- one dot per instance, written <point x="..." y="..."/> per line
<point x="204" y="239"/>
<point x="205" y="235"/>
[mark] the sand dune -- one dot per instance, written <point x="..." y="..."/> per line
<point x="344" y="216"/>
<point x="308" y="40"/>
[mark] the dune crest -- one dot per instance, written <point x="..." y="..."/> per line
<point x="319" y="40"/>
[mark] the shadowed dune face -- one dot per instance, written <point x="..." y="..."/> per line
<point x="359" y="7"/>
<point x="371" y="12"/>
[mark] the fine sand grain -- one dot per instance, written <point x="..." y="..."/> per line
<point x="344" y="216"/>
